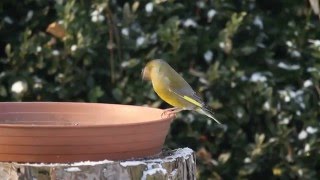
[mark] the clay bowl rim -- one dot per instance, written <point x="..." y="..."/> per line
<point x="161" y="119"/>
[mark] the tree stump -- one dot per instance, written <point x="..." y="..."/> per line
<point x="173" y="164"/>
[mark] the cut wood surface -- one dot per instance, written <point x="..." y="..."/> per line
<point x="170" y="164"/>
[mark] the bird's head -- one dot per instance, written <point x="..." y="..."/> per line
<point x="149" y="68"/>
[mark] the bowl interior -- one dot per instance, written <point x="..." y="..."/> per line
<point x="74" y="114"/>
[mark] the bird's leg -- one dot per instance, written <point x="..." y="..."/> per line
<point x="171" y="111"/>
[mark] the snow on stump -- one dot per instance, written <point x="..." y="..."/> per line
<point x="172" y="164"/>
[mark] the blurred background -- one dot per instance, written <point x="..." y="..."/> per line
<point x="256" y="63"/>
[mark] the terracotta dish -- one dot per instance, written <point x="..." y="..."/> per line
<point x="56" y="132"/>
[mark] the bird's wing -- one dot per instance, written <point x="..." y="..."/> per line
<point x="177" y="85"/>
<point x="201" y="107"/>
<point x="192" y="98"/>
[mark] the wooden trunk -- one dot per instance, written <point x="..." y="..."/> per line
<point x="173" y="164"/>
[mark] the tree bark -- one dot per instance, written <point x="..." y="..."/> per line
<point x="174" y="164"/>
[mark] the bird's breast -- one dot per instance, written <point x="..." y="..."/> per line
<point x="163" y="92"/>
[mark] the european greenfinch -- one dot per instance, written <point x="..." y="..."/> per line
<point x="173" y="89"/>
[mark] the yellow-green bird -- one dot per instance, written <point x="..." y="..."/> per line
<point x="173" y="89"/>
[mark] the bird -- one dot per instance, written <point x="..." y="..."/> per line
<point x="173" y="89"/>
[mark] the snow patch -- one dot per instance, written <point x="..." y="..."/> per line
<point x="149" y="7"/>
<point x="285" y="66"/>
<point x="185" y="153"/>
<point x="55" y="53"/>
<point x="285" y="121"/>
<point x="208" y="55"/>
<point x="211" y="13"/>
<point x="151" y="170"/>
<point x="239" y="114"/>
<point x="140" y="40"/>
<point x="311" y="69"/>
<point x="74" y="47"/>
<point x="258" y="77"/>
<point x="258" y="22"/>
<point x="19" y="87"/>
<point x="39" y="48"/>
<point x="247" y="160"/>
<point x="131" y="163"/>
<point x="190" y="23"/>
<point x="311" y="130"/>
<point x="307" y="148"/>
<point x="289" y="43"/>
<point x="73" y="169"/>
<point x="302" y="135"/>
<point x="266" y="106"/>
<point x="91" y="163"/>
<point x="315" y="42"/>
<point x="82" y="163"/>
<point x="295" y="54"/>
<point x="307" y="83"/>
<point x="125" y="31"/>
<point x="287" y="95"/>
<point x="8" y="20"/>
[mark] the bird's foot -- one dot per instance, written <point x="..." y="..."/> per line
<point x="170" y="112"/>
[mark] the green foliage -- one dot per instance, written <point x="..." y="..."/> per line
<point x="257" y="63"/>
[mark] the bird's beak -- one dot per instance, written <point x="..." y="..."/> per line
<point x="145" y="74"/>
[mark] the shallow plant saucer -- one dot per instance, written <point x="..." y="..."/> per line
<point x="62" y="132"/>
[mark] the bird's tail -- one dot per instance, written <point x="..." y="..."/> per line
<point x="206" y="111"/>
